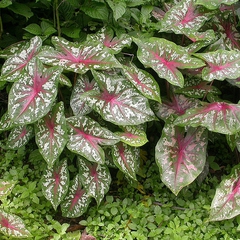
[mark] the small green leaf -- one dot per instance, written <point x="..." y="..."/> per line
<point x="21" y="9"/>
<point x="96" y="10"/>
<point x="34" y="29"/>
<point x="5" y="3"/>
<point x="118" y="8"/>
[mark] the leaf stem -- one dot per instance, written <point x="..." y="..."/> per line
<point x="1" y="25"/>
<point x="57" y="17"/>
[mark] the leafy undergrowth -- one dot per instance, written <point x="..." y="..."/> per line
<point x="144" y="210"/>
<point x="151" y="211"/>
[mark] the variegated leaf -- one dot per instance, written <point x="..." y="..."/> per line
<point x="51" y="134"/>
<point x="6" y="187"/>
<point x="77" y="103"/>
<point x="226" y="202"/>
<point x="119" y="102"/>
<point x="126" y="158"/>
<point x="77" y="200"/>
<point x="78" y="57"/>
<point x="85" y="137"/>
<point x="114" y="44"/>
<point x="14" y="65"/>
<point x="31" y="97"/>
<point x="64" y="80"/>
<point x="12" y="49"/>
<point x="55" y="183"/>
<point x="132" y="136"/>
<point x="143" y="81"/>
<point x="222" y="64"/>
<point x="6" y="122"/>
<point x="214" y="4"/>
<point x="183" y="17"/>
<point x="218" y="117"/>
<point x="234" y="82"/>
<point x="95" y="178"/>
<point x="177" y="106"/>
<point x="19" y="136"/>
<point x="196" y="88"/>
<point x="13" y="226"/>
<point x="165" y="58"/>
<point x="180" y="158"/>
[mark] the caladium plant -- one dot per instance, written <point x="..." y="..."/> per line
<point x="88" y="97"/>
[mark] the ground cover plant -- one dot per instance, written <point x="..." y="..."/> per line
<point x="83" y="89"/>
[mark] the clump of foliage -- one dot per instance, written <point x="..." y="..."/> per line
<point x="85" y="87"/>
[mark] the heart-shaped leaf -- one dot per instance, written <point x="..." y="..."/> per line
<point x="14" y="65"/>
<point x="114" y="44"/>
<point x="55" y="183"/>
<point x="77" y="103"/>
<point x="12" y="49"/>
<point x="226" y="202"/>
<point x="78" y="57"/>
<point x="180" y="158"/>
<point x="19" y="136"/>
<point x="96" y="178"/>
<point x="119" y="102"/>
<point x="183" y="17"/>
<point x="176" y="107"/>
<point x="143" y="81"/>
<point x="165" y="58"/>
<point x="132" y="136"/>
<point x="77" y="200"/>
<point x="126" y="158"/>
<point x="214" y="4"/>
<point x="85" y="137"/>
<point x="222" y="64"/>
<point x="31" y="97"/>
<point x="51" y="134"/>
<point x="13" y="226"/>
<point x="6" y="187"/>
<point x="196" y="88"/>
<point x="6" y="122"/>
<point x="218" y="117"/>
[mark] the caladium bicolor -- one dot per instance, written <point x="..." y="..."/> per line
<point x="226" y="202"/>
<point x="214" y="4"/>
<point x="6" y="187"/>
<point x="143" y="81"/>
<point x="12" y="49"/>
<point x="85" y="135"/>
<point x="32" y="96"/>
<point x="218" y="117"/>
<point x="95" y="178"/>
<point x="77" y="200"/>
<point x="19" y="136"/>
<point x="132" y="136"/>
<point x="13" y="226"/>
<point x="15" y="64"/>
<point x="78" y="57"/>
<point x="55" y="182"/>
<point x="126" y="158"/>
<point x="77" y="103"/>
<point x="183" y="18"/>
<point x="114" y="44"/>
<point x="51" y="134"/>
<point x="6" y="122"/>
<point x="177" y="106"/>
<point x="119" y="102"/>
<point x="180" y="158"/>
<point x="196" y="88"/>
<point x="221" y="64"/>
<point x="165" y="58"/>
